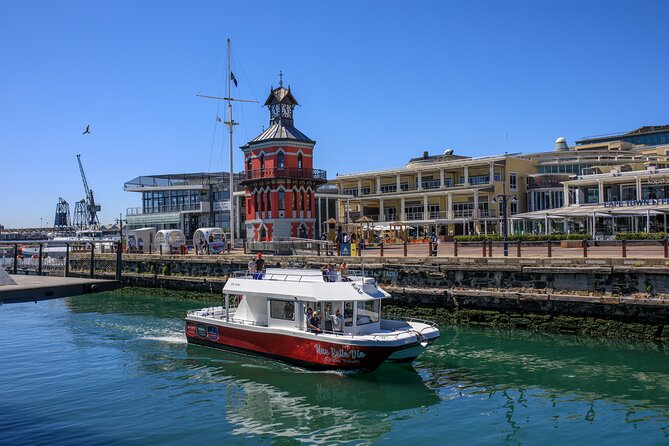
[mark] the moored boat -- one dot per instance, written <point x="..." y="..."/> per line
<point x="269" y="317"/>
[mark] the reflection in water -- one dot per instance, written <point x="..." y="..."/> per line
<point x="283" y="401"/>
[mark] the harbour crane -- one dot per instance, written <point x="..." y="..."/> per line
<point x="91" y="208"/>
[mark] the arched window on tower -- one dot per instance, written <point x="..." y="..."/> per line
<point x="269" y="200"/>
<point x="282" y="200"/>
<point x="308" y="200"/>
<point x="299" y="161"/>
<point x="249" y="166"/>
<point x="294" y="199"/>
<point x="262" y="163"/>
<point x="280" y="162"/>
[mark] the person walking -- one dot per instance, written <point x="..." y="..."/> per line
<point x="252" y="267"/>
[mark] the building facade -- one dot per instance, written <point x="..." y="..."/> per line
<point x="279" y="180"/>
<point x="183" y="201"/>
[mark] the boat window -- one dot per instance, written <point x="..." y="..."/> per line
<point x="348" y="314"/>
<point x="368" y="312"/>
<point x="281" y="309"/>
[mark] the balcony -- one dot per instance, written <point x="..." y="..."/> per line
<point x="317" y="175"/>
<point x="200" y="207"/>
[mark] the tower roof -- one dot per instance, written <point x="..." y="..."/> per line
<point x="281" y="95"/>
<point x="282" y="131"/>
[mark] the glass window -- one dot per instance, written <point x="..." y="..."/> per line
<point x="299" y="161"/>
<point x="281" y="309"/>
<point x="513" y="181"/>
<point x="368" y="312"/>
<point x="308" y="201"/>
<point x="282" y="200"/>
<point x="348" y="314"/>
<point x="262" y="162"/>
<point x="248" y="165"/>
<point x="280" y="160"/>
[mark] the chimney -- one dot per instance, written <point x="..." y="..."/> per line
<point x="426" y="154"/>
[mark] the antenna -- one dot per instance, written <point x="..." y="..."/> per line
<point x="231" y="123"/>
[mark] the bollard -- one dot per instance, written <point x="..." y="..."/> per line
<point x="585" y="248"/>
<point x="666" y="248"/>
<point x="455" y="248"/>
<point x="229" y="247"/>
<point x="67" y="259"/>
<point x="624" y="247"/>
<point x="161" y="249"/>
<point x="92" y="272"/>
<point x="429" y="248"/>
<point x="549" y="245"/>
<point x="489" y="248"/>
<point x="405" y="248"/>
<point x="119" y="253"/>
<point x="39" y="261"/>
<point x="318" y="249"/>
<point x="16" y="257"/>
<point x="483" y="245"/>
<point x="381" y="248"/>
<point x="518" y="249"/>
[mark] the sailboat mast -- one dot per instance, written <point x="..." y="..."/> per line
<point x="232" y="184"/>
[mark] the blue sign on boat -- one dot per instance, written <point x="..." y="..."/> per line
<point x="345" y="249"/>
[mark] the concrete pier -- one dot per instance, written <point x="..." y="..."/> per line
<point x="35" y="288"/>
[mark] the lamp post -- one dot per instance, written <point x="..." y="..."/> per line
<point x="502" y="200"/>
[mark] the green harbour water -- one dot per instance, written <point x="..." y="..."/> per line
<point x="113" y="369"/>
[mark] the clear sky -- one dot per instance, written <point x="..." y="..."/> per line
<point x="378" y="82"/>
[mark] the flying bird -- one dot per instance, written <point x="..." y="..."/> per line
<point x="88" y="130"/>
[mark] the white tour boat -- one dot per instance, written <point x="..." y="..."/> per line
<point x="269" y="317"/>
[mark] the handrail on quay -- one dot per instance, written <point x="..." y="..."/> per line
<point x="48" y="254"/>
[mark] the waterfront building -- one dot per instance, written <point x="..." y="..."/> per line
<point x="183" y="201"/>
<point x="279" y="180"/>
<point x="448" y="194"/>
<point x="651" y="135"/>
<point x="606" y="202"/>
<point x="453" y="195"/>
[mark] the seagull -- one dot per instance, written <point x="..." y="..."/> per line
<point x="88" y="130"/>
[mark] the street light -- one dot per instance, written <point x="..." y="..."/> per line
<point x="502" y="199"/>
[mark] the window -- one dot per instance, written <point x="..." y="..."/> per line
<point x="281" y="309"/>
<point x="248" y="166"/>
<point x="309" y="201"/>
<point x="280" y="163"/>
<point x="299" y="161"/>
<point x="386" y="188"/>
<point x="513" y="181"/>
<point x="368" y="312"/>
<point x="348" y="314"/>
<point x="294" y="200"/>
<point x="282" y="200"/>
<point x="262" y="161"/>
<point x="269" y="200"/>
<point x="351" y="192"/>
<point x="514" y="207"/>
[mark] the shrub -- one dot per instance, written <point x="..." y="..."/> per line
<point x="641" y="235"/>
<point x="522" y="237"/>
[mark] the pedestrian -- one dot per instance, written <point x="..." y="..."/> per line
<point x="344" y="272"/>
<point x="260" y="267"/>
<point x="141" y="245"/>
<point x="252" y="267"/>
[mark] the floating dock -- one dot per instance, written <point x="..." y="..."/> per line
<point x="35" y="288"/>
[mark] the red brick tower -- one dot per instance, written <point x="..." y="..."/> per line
<point x="279" y="177"/>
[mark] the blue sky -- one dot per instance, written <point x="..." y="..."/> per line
<point x="378" y="82"/>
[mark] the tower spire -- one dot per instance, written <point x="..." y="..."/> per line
<point x="280" y="78"/>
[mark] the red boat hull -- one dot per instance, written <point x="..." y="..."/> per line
<point x="314" y="352"/>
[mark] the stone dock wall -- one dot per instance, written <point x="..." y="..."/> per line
<point x="590" y="295"/>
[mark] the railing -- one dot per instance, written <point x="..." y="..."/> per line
<point x="62" y="258"/>
<point x="294" y="246"/>
<point x="200" y="206"/>
<point x="288" y="173"/>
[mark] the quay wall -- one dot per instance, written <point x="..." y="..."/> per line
<point x="591" y="295"/>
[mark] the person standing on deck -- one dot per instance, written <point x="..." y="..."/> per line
<point x="260" y="267"/>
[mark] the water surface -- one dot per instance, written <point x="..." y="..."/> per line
<point x="108" y="369"/>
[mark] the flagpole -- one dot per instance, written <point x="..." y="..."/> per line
<point x="232" y="184"/>
<point x="230" y="123"/>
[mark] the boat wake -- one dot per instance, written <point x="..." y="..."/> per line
<point x="170" y="339"/>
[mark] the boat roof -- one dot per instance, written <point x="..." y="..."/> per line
<point x="306" y="285"/>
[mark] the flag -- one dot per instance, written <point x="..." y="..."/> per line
<point x="233" y="78"/>
<point x="218" y="119"/>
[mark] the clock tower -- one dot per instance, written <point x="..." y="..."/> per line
<point x="279" y="177"/>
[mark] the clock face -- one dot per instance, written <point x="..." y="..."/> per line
<point x="286" y="111"/>
<point x="275" y="110"/>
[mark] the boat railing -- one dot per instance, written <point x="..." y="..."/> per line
<point x="411" y="319"/>
<point x="219" y="313"/>
<point x="353" y="276"/>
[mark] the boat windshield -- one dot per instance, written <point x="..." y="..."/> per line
<point x="368" y="312"/>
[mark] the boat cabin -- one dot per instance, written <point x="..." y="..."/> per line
<point x="282" y="297"/>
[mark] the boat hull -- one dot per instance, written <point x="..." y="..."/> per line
<point x="314" y="351"/>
